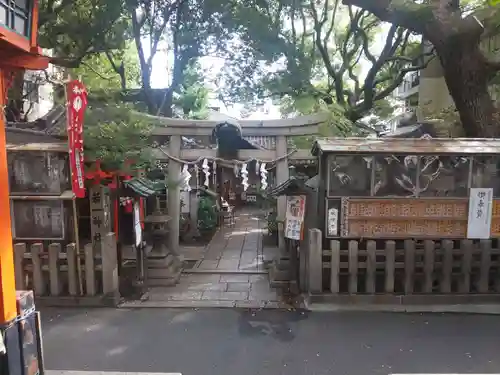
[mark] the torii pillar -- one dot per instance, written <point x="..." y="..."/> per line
<point x="8" y="310"/>
<point x="18" y="52"/>
<point x="282" y="175"/>
<point x="174" y="196"/>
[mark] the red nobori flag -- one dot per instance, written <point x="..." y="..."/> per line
<point x="76" y="94"/>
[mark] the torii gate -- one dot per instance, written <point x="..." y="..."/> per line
<point x="279" y="129"/>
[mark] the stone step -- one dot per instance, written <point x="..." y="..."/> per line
<point x="163" y="262"/>
<point x="168" y="281"/>
<point x="163" y="272"/>
<point x="224" y="272"/>
<point x="277" y="273"/>
<point x="281" y="263"/>
<point x="278" y="279"/>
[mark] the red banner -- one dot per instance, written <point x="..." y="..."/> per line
<point x="76" y="95"/>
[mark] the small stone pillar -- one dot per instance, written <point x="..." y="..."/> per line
<point x="110" y="282"/>
<point x="100" y="213"/>
<point x="315" y="261"/>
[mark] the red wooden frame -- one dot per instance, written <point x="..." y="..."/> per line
<point x="16" y="53"/>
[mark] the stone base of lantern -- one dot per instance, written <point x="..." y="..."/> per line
<point x="163" y="271"/>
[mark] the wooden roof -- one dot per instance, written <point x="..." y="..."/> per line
<point x="50" y="147"/>
<point x="412" y="146"/>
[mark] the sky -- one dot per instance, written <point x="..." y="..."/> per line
<point x="161" y="78"/>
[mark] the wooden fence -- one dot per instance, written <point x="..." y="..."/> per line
<point x="403" y="267"/>
<point x="59" y="271"/>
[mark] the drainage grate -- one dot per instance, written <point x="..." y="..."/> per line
<point x="188" y="264"/>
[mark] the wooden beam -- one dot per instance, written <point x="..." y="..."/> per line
<point x="50" y="147"/>
<point x="195" y="130"/>
<point x="193" y="154"/>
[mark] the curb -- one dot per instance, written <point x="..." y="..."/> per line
<point x="488" y="309"/>
<point x="267" y="305"/>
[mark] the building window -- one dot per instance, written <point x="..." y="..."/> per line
<point x="31" y="92"/>
<point x="15" y="14"/>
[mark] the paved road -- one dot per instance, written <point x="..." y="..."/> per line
<point x="229" y="342"/>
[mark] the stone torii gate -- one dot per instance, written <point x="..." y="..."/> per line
<point x="280" y="129"/>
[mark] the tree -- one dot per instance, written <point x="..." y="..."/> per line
<point x="111" y="71"/>
<point x="187" y="30"/>
<point x="75" y="29"/>
<point x="456" y="37"/>
<point x="316" y="49"/>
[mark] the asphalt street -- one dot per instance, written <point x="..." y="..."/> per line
<point x="242" y="342"/>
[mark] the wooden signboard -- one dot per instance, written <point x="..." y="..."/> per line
<point x="411" y="218"/>
<point x="295" y="210"/>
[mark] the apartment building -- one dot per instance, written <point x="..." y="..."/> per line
<point x="407" y="96"/>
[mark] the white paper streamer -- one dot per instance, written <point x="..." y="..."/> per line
<point x="244" y="177"/>
<point x="263" y="176"/>
<point x="185" y="177"/>
<point x="206" y="171"/>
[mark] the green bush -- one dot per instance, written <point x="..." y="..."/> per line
<point x="207" y="214"/>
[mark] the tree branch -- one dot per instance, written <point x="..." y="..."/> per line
<point x="405" y="14"/>
<point x="325" y="56"/>
<point x="368" y="87"/>
<point x="52" y="10"/>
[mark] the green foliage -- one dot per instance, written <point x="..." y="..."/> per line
<point x="336" y="126"/>
<point x="114" y="135"/>
<point x="207" y="214"/>
<point x="446" y="122"/>
<point x="74" y="29"/>
<point x="99" y="71"/>
<point x="315" y="50"/>
<point x="191" y="97"/>
<point x="272" y="224"/>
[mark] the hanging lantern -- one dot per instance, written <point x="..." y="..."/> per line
<point x="235" y="169"/>
<point x="244" y="177"/>
<point x="185" y="177"/>
<point x="206" y="171"/>
<point x="263" y="176"/>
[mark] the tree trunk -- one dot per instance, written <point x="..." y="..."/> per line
<point x="14" y="111"/>
<point x="123" y="77"/>
<point x="467" y="77"/>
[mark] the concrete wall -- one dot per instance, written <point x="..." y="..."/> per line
<point x="40" y="89"/>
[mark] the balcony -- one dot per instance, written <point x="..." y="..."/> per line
<point x="15" y="15"/>
<point x="409" y="86"/>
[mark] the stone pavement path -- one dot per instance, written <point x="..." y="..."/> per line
<point x="237" y="248"/>
<point x="230" y="273"/>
